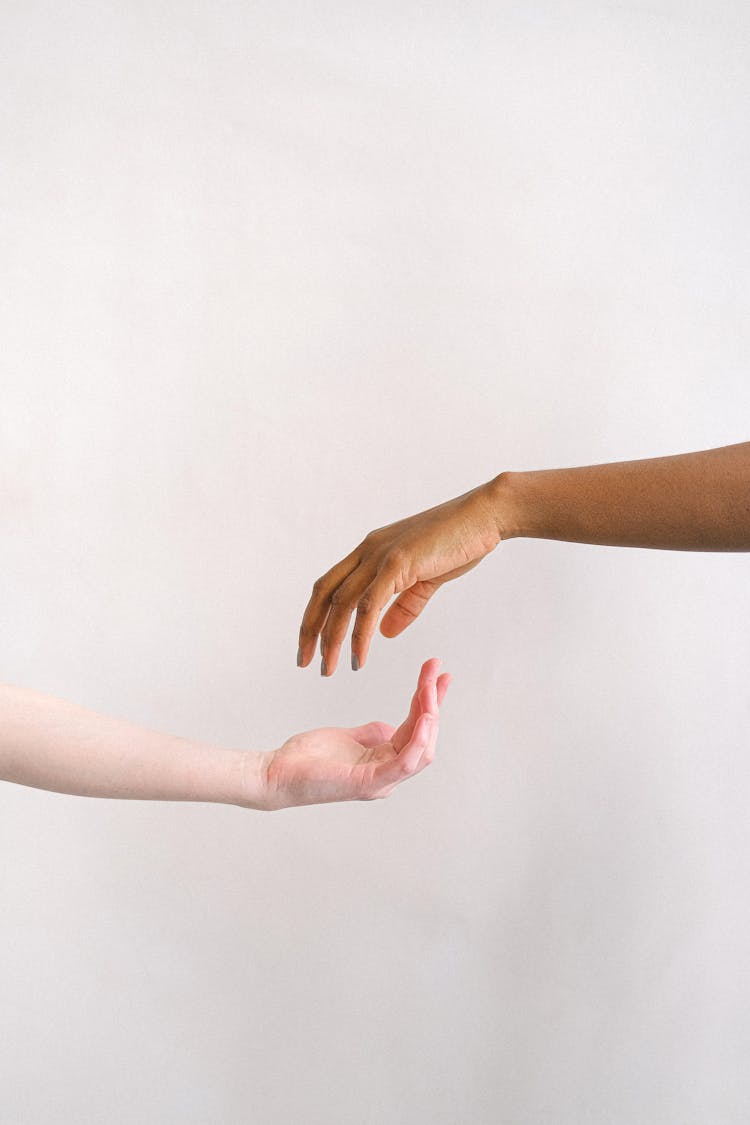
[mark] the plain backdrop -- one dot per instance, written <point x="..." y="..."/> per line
<point x="274" y="274"/>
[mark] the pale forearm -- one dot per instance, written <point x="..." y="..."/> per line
<point x="49" y="743"/>
<point x="692" y="502"/>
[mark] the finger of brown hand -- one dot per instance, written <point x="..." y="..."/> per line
<point x="370" y="605"/>
<point x="344" y="601"/>
<point x="412" y="601"/>
<point x="318" y="606"/>
<point x="407" y="608"/>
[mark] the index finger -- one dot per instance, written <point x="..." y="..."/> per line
<point x="316" y="610"/>
<point x="419" y="748"/>
<point x="428" y="671"/>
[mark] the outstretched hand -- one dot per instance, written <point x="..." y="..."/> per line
<point x="357" y="763"/>
<point x="412" y="558"/>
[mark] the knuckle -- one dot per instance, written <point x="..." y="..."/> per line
<point x="319" y="584"/>
<point x="307" y="632"/>
<point x="341" y="598"/>
<point x="395" y="558"/>
<point x="365" y="605"/>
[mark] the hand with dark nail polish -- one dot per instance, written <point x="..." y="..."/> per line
<point x="409" y="560"/>
<point x="682" y="502"/>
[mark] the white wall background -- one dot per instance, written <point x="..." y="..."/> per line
<point x="274" y="274"/>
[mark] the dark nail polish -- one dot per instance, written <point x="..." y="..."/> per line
<point x="299" y="657"/>
<point x="323" y="670"/>
<point x="355" y="663"/>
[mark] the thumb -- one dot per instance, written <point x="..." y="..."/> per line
<point x="409" y="604"/>
<point x="407" y="608"/>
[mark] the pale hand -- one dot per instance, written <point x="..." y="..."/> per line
<point x="358" y="763"/>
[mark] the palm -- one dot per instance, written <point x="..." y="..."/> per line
<point x="346" y="763"/>
<point x="324" y="764"/>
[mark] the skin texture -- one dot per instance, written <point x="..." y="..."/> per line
<point x="687" y="502"/>
<point x="49" y="743"/>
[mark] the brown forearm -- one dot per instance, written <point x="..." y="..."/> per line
<point x="688" y="502"/>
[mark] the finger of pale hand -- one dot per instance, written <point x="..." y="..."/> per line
<point x="369" y="608"/>
<point x="443" y="683"/>
<point x="403" y="734"/>
<point x="420" y="705"/>
<point x="428" y="753"/>
<point x="318" y="606"/>
<point x="405" y="764"/>
<point x="407" y="608"/>
<point x="372" y="734"/>
<point x="440" y="689"/>
<point x="412" y="759"/>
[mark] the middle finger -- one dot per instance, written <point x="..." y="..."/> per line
<point x="342" y="604"/>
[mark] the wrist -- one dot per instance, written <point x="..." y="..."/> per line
<point x="506" y="503"/>
<point x="252" y="784"/>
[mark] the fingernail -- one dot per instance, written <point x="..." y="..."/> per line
<point x="299" y="657"/>
<point x="323" y="671"/>
<point x="355" y="663"/>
